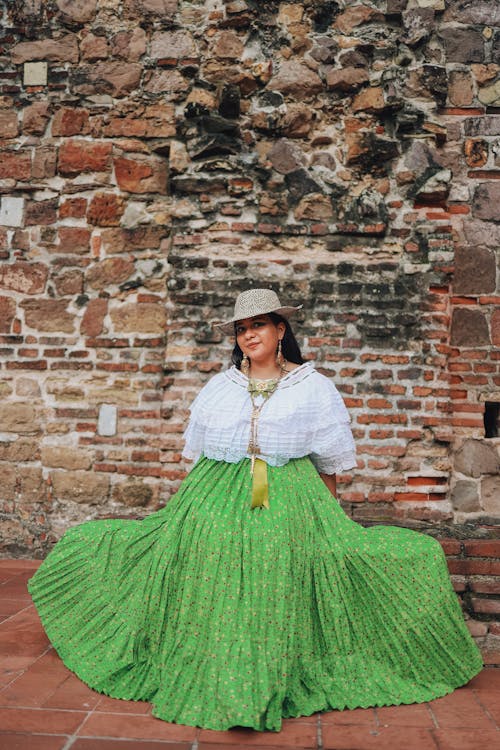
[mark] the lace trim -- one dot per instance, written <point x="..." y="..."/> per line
<point x="228" y="455"/>
<point x="292" y="378"/>
<point x="340" y="463"/>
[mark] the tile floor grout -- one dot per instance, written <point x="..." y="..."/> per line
<point x="319" y="734"/>
<point x="485" y="709"/>
<point x="433" y="716"/>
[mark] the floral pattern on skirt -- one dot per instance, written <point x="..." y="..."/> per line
<point x="224" y="616"/>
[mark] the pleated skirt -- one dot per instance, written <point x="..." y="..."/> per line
<point x="224" y="616"/>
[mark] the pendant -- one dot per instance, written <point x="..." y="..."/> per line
<point x="264" y="388"/>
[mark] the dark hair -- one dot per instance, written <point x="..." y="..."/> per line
<point x="289" y="345"/>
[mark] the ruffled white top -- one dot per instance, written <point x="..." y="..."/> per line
<point x="305" y="416"/>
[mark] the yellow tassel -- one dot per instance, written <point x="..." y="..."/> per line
<point x="260" y="487"/>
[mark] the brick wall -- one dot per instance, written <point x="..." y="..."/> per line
<point x="159" y="156"/>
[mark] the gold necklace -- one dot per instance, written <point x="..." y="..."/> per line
<point x="265" y="389"/>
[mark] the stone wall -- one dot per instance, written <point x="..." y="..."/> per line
<point x="158" y="156"/>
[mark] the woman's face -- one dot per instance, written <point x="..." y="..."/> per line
<point x="258" y="338"/>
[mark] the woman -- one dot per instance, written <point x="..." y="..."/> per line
<point x="252" y="596"/>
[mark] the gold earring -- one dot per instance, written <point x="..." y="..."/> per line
<point x="245" y="365"/>
<point x="280" y="360"/>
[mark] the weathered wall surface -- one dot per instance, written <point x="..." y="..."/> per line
<point x="159" y="156"/>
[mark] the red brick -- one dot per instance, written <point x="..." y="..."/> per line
<point x="63" y="49"/>
<point x="245" y="226"/>
<point x="113" y="270"/>
<point x="141" y="175"/>
<point x="117" y="367"/>
<point x="409" y="404"/>
<point x="7" y="313"/>
<point x="106" y="209"/>
<point x="495" y="327"/>
<point x="382" y="450"/>
<point x="395" y="359"/>
<point x="104" y="467"/>
<point x="40" y="212"/>
<point x="474" y="567"/>
<point x="410" y="496"/>
<point x="139" y="413"/>
<point x="9" y="125"/>
<point x="376" y="403"/>
<point x="44" y="161"/>
<point x="103" y="343"/>
<point x="470" y="408"/>
<point x="486" y="606"/>
<point x="380" y="497"/>
<point x="93" y="317"/>
<point x="353" y="403"/>
<point x="409" y="434"/>
<point x="459" y="583"/>
<point x="382" y="419"/>
<point x="76" y="157"/>
<point x="24" y="277"/>
<point x="15" y="165"/>
<point x="425" y="481"/>
<point x="458" y="394"/>
<point x="380" y="434"/>
<point x="75" y="208"/>
<point x="491" y="656"/>
<point x="145" y="456"/>
<point x="265" y="228"/>
<point x="73" y="240"/>
<point x="485" y="585"/>
<point x="68" y="121"/>
<point x="459" y="367"/>
<point x="451" y="546"/>
<point x="36" y="117"/>
<point x="377" y="464"/>
<point x="142" y="471"/>
<point x="482" y="548"/>
<point x="141" y="297"/>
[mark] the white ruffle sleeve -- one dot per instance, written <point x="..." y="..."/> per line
<point x="333" y="448"/>
<point x="212" y="420"/>
<point x="306" y="416"/>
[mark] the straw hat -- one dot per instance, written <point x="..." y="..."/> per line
<point x="256" y="302"/>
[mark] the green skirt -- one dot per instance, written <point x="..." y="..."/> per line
<point x="222" y="616"/>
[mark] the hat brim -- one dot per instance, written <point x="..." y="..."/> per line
<point x="228" y="325"/>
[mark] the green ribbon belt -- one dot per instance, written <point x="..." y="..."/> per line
<point x="260" y="487"/>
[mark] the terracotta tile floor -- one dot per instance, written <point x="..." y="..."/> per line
<point x="43" y="706"/>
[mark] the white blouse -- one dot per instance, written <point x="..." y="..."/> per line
<point x="305" y="416"/>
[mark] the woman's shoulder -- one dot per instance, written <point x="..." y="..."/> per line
<point x="308" y="377"/>
<point x="218" y="384"/>
<point x="317" y="389"/>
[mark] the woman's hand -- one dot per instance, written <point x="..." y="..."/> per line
<point x="331" y="482"/>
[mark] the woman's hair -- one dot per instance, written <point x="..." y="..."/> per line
<point x="289" y="345"/>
